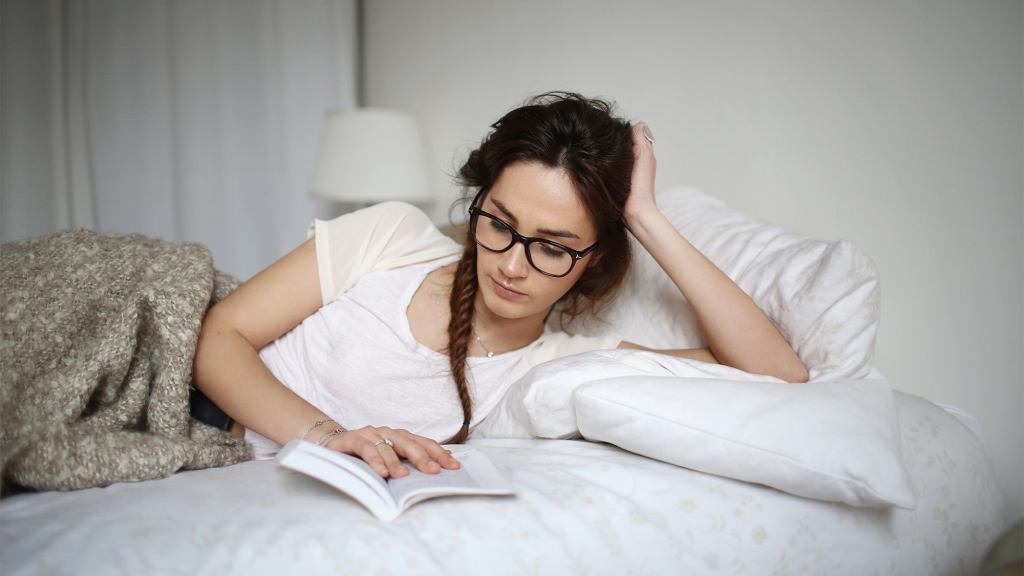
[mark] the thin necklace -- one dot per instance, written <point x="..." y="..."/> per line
<point x="481" y="342"/>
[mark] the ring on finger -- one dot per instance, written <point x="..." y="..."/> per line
<point x="385" y="440"/>
<point x="648" y="134"/>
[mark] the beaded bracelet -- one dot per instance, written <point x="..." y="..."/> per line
<point x="316" y="425"/>
<point x="326" y="438"/>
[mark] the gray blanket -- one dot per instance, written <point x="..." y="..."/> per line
<point x="98" y="337"/>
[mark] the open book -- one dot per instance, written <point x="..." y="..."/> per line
<point x="387" y="498"/>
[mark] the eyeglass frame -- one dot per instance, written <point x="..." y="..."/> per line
<point x="577" y="255"/>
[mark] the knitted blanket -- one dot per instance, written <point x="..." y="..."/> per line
<point x="98" y="337"/>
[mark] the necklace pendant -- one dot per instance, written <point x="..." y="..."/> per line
<point x="490" y="354"/>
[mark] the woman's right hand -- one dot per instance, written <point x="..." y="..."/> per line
<point x="427" y="455"/>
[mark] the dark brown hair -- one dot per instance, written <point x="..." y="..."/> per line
<point x="594" y="148"/>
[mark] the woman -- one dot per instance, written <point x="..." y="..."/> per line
<point x="298" y="351"/>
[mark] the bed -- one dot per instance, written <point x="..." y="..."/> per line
<point x="581" y="508"/>
<point x="623" y="462"/>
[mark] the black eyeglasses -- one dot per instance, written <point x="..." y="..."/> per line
<point x="546" y="256"/>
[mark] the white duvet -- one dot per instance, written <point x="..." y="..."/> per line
<point x="581" y="508"/>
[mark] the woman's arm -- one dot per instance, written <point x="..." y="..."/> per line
<point x="229" y="371"/>
<point x="227" y="367"/>
<point x="737" y="332"/>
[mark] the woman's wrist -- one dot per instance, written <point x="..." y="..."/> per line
<point x="638" y="222"/>
<point x="321" y="428"/>
<point x="316" y="424"/>
<point x="327" y="437"/>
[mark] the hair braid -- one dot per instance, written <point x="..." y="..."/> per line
<point x="460" y="328"/>
<point x="559" y="130"/>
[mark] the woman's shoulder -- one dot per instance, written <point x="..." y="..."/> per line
<point x="379" y="237"/>
<point x="399" y="216"/>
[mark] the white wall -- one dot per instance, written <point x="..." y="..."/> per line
<point x="899" y="126"/>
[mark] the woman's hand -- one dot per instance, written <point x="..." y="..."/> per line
<point x="427" y="455"/>
<point x="641" y="186"/>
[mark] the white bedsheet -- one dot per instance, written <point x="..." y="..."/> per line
<point x="581" y="508"/>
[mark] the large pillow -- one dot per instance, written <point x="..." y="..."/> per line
<point x="835" y="441"/>
<point x="823" y="296"/>
<point x="540" y="404"/>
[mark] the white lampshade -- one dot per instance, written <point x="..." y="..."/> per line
<point x="371" y="155"/>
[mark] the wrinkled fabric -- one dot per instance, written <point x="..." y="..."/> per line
<point x="98" y="338"/>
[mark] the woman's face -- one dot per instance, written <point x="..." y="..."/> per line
<point x="537" y="201"/>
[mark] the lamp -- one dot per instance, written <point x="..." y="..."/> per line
<point x="369" y="155"/>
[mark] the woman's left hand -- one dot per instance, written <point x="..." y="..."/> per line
<point x="641" y="187"/>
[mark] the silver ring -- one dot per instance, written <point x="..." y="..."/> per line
<point x="648" y="134"/>
<point x="385" y="440"/>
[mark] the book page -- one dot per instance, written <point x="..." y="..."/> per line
<point x="387" y="498"/>
<point x="347" y="473"/>
<point x="476" y="475"/>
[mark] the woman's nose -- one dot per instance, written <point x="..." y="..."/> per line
<point x="513" y="261"/>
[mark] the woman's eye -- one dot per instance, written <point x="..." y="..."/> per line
<point x="553" y="252"/>
<point x="498" y="225"/>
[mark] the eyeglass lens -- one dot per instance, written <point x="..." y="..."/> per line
<point x="496" y="235"/>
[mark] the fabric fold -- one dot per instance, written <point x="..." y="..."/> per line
<point x="99" y="335"/>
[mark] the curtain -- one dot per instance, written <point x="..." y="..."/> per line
<point x="188" y="120"/>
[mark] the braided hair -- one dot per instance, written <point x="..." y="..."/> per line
<point x="580" y="136"/>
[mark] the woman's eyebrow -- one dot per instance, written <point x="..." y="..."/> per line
<point x="544" y="231"/>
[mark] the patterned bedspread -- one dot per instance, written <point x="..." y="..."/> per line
<point x="580" y="508"/>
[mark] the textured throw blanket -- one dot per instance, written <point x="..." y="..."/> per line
<point x="98" y="337"/>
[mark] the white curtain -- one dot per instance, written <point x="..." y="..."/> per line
<point x="182" y="119"/>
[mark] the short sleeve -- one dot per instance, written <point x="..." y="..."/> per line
<point x="558" y="344"/>
<point x="379" y="237"/>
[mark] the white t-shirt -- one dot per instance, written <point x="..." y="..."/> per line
<point x="356" y="358"/>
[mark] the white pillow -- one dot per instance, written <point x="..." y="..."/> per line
<point x="835" y="441"/>
<point x="823" y="296"/>
<point x="540" y="404"/>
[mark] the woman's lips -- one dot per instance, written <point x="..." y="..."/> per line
<point x="505" y="292"/>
